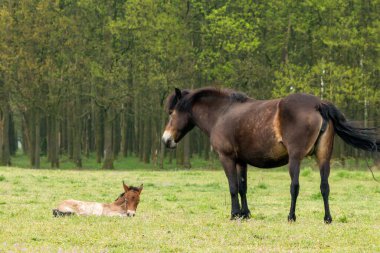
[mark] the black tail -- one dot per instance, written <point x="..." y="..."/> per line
<point x="363" y="138"/>
<point x="57" y="213"/>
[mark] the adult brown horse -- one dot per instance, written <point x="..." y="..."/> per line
<point x="264" y="134"/>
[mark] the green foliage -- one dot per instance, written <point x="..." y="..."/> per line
<point x="92" y="65"/>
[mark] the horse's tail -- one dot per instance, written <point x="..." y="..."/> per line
<point x="57" y="213"/>
<point x="363" y="138"/>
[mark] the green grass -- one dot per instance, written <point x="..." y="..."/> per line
<point x="121" y="163"/>
<point x="187" y="211"/>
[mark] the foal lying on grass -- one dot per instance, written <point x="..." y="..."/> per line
<point x="124" y="205"/>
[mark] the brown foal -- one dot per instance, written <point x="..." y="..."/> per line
<point x="124" y="205"/>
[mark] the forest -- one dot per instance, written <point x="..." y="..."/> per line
<point x="90" y="77"/>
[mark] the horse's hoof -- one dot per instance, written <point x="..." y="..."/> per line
<point x="328" y="219"/>
<point x="291" y="218"/>
<point x="235" y="216"/>
<point x="245" y="214"/>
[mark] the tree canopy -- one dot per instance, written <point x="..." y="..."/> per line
<point x="90" y="76"/>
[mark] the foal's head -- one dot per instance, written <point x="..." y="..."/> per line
<point x="130" y="197"/>
<point x="179" y="118"/>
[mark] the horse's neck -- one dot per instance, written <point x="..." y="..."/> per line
<point x="207" y="112"/>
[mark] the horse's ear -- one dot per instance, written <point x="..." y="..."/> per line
<point x="126" y="188"/>
<point x="178" y="93"/>
<point x="141" y="187"/>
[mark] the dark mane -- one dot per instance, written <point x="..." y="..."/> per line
<point x="172" y="100"/>
<point x="189" y="98"/>
<point x="131" y="188"/>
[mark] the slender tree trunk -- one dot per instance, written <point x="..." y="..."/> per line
<point x="124" y="132"/>
<point x="108" y="137"/>
<point x="180" y="155"/>
<point x="53" y="141"/>
<point x="37" y="141"/>
<point x="146" y="143"/>
<point x="32" y="137"/>
<point x="5" y="157"/>
<point x="99" y="134"/>
<point x="77" y="133"/>
<point x="186" y="152"/>
<point x="25" y="136"/>
<point x="13" y="140"/>
<point x="116" y="135"/>
<point x="70" y="131"/>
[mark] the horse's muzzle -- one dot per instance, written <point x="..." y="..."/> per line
<point x="168" y="140"/>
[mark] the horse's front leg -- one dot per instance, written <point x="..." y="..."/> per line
<point x="229" y="166"/>
<point x="242" y="182"/>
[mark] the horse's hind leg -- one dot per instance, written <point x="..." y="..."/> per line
<point x="325" y="189"/>
<point x="57" y="213"/>
<point x="242" y="182"/>
<point x="323" y="153"/>
<point x="294" y="171"/>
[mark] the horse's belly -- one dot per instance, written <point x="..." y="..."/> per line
<point x="271" y="157"/>
<point x="268" y="163"/>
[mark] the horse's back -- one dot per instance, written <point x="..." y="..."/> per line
<point x="81" y="207"/>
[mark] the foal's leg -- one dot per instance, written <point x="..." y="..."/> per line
<point x="294" y="171"/>
<point x="229" y="166"/>
<point x="242" y="180"/>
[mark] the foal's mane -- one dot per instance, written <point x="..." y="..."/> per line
<point x="190" y="97"/>
<point x="131" y="188"/>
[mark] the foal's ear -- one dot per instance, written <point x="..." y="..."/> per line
<point x="178" y="93"/>
<point x="141" y="187"/>
<point x="126" y="188"/>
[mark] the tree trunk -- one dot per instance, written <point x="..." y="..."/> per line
<point x="116" y="135"/>
<point x="53" y="141"/>
<point x="70" y="131"/>
<point x="99" y="134"/>
<point x="186" y="152"/>
<point x="77" y="132"/>
<point x="108" y="137"/>
<point x="13" y="140"/>
<point x="146" y="147"/>
<point x="180" y="155"/>
<point x="5" y="157"/>
<point x="124" y="132"/>
<point x="36" y="148"/>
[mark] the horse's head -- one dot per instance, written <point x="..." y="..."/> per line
<point x="131" y="198"/>
<point x="180" y="121"/>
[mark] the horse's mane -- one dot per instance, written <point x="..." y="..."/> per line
<point x="189" y="97"/>
<point x="131" y="188"/>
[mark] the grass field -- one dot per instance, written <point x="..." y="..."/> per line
<point x="187" y="211"/>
